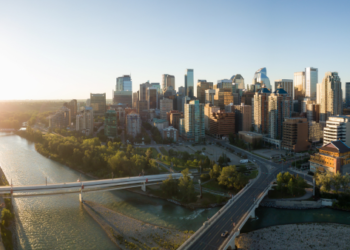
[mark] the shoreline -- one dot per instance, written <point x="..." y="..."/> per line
<point x="129" y="233"/>
<point x="320" y="236"/>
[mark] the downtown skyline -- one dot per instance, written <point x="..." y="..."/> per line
<point x="69" y="50"/>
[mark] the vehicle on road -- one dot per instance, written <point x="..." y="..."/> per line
<point x="244" y="161"/>
<point x="224" y="234"/>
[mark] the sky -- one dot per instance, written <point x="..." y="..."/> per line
<point x="69" y="49"/>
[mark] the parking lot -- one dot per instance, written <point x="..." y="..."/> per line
<point x="269" y="152"/>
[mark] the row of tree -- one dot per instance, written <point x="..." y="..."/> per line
<point x="288" y="183"/>
<point x="328" y="180"/>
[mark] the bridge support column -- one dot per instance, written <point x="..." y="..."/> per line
<point x="81" y="196"/>
<point x="143" y="187"/>
<point x="231" y="244"/>
<point x="252" y="214"/>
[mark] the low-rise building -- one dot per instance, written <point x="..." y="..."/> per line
<point x="333" y="157"/>
<point x="170" y="132"/>
<point x="160" y="123"/>
<point x="250" y="137"/>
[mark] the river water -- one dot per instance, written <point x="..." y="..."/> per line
<point x="59" y="222"/>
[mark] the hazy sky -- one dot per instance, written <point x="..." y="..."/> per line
<point x="67" y="49"/>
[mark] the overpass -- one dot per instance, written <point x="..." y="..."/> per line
<point x="81" y="187"/>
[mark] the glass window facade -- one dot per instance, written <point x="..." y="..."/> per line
<point x="311" y="80"/>
<point x="189" y="83"/>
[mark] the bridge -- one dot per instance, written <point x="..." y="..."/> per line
<point x="81" y="187"/>
<point x="238" y="209"/>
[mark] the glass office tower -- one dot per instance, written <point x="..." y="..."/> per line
<point x="189" y="83"/>
<point x="261" y="77"/>
<point x="311" y="80"/>
<point x="124" y="83"/>
<point x="347" y="95"/>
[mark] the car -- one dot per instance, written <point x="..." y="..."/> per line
<point x="224" y="234"/>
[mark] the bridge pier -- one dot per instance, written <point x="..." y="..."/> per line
<point x="231" y="244"/>
<point x="143" y="187"/>
<point x="81" y="196"/>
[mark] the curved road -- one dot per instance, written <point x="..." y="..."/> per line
<point x="211" y="239"/>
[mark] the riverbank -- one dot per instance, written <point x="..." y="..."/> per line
<point x="128" y="233"/>
<point x="8" y="232"/>
<point x="320" y="236"/>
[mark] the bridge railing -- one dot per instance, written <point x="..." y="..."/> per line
<point x="216" y="216"/>
<point x="235" y="231"/>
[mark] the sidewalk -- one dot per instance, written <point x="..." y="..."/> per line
<point x="305" y="197"/>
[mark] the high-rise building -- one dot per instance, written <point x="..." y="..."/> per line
<point x="143" y="105"/>
<point x="337" y="128"/>
<point x="175" y="119"/>
<point x="287" y="85"/>
<point x="239" y="81"/>
<point x="224" y="84"/>
<point x="279" y="108"/>
<point x="73" y="106"/>
<point x="189" y="83"/>
<point x="168" y="81"/>
<point x="311" y="80"/>
<point x="209" y="109"/>
<point x="222" y="123"/>
<point x="202" y="86"/>
<point x="223" y="97"/>
<point x="152" y="98"/>
<point x="166" y="105"/>
<point x="181" y="90"/>
<point x="243" y="117"/>
<point x="313" y="112"/>
<point x="192" y="126"/>
<point x="299" y="85"/>
<point x="295" y="134"/>
<point x="260" y="110"/>
<point x="330" y="96"/>
<point x="61" y="119"/>
<point x="347" y="94"/>
<point x="143" y="89"/>
<point x="184" y="100"/>
<point x="261" y="77"/>
<point x="135" y="99"/>
<point x="315" y="131"/>
<point x="98" y="103"/>
<point x="133" y="124"/>
<point x="111" y="124"/>
<point x="124" y="83"/>
<point x="85" y="121"/>
<point x="209" y="96"/>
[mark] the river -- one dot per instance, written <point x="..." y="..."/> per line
<point x="59" y="222"/>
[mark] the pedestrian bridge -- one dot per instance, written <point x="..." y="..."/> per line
<point x="81" y="187"/>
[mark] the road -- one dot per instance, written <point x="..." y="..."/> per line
<point x="211" y="239"/>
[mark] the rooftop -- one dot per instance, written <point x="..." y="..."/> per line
<point x="336" y="146"/>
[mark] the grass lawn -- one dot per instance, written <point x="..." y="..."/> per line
<point x="253" y="174"/>
<point x="164" y="151"/>
<point x="214" y="185"/>
<point x="142" y="151"/>
<point x="275" y="194"/>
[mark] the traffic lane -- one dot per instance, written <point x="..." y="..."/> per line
<point x="226" y="221"/>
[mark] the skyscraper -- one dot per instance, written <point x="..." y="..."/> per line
<point x="166" y="105"/>
<point x="311" y="79"/>
<point x="260" y="110"/>
<point x="239" y="81"/>
<point x="123" y="93"/>
<point x="124" y="83"/>
<point x="152" y="98"/>
<point x="168" y="81"/>
<point x="261" y="77"/>
<point x="143" y="89"/>
<point x="189" y="83"/>
<point x="192" y="126"/>
<point x="98" y="103"/>
<point x="347" y="94"/>
<point x="299" y="85"/>
<point x="287" y="85"/>
<point x="330" y="96"/>
<point x="202" y="86"/>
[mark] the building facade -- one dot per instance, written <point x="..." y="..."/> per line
<point x="222" y="123"/>
<point x="223" y="97"/>
<point x="243" y="117"/>
<point x="337" y="128"/>
<point x="311" y="80"/>
<point x="260" y="110"/>
<point x="133" y="124"/>
<point x="202" y="86"/>
<point x="295" y="134"/>
<point x="189" y="83"/>
<point x="152" y="98"/>
<point x="111" y="124"/>
<point x="287" y="85"/>
<point x="61" y="119"/>
<point x="299" y="85"/>
<point x="98" y="103"/>
<point x="239" y="81"/>
<point x="260" y="76"/>
<point x="168" y="81"/>
<point x="166" y="105"/>
<point x="347" y="94"/>
<point x="85" y="121"/>
<point x="209" y="109"/>
<point x="192" y="126"/>
<point x="171" y="133"/>
<point x="331" y="96"/>
<point x="124" y="83"/>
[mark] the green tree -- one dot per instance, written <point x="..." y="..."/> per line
<point x="186" y="186"/>
<point x="215" y="172"/>
<point x="170" y="186"/>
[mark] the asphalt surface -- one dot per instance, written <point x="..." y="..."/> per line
<point x="211" y="239"/>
